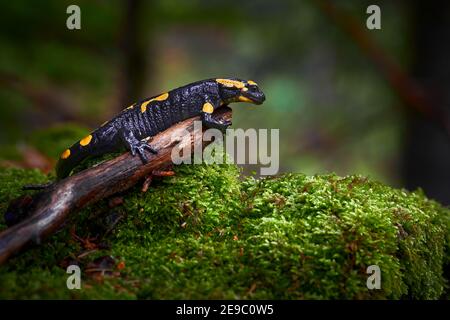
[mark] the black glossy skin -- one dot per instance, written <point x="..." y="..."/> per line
<point x="132" y="125"/>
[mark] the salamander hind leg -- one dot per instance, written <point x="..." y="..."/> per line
<point x="135" y="145"/>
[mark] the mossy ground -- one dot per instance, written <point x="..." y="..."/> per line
<point x="207" y="233"/>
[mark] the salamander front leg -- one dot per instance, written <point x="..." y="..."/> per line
<point x="136" y="146"/>
<point x="209" y="121"/>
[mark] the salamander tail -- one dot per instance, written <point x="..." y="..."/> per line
<point x="72" y="156"/>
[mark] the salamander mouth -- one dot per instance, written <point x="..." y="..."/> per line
<point x="252" y="97"/>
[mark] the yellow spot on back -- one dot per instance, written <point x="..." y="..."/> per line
<point x="231" y="83"/>
<point x="161" y="97"/>
<point x="251" y="82"/>
<point x="244" y="99"/>
<point x="208" y="108"/>
<point x="245" y="89"/>
<point x="144" y="106"/>
<point x="85" y="141"/>
<point x="65" y="154"/>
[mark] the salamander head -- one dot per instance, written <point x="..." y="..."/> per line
<point x="237" y="90"/>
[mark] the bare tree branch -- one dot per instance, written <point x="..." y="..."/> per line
<point x="51" y="207"/>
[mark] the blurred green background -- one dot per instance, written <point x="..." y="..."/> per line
<point x="343" y="97"/>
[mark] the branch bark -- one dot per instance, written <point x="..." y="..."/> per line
<point x="51" y="207"/>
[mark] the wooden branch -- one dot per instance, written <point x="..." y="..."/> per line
<point x="51" y="207"/>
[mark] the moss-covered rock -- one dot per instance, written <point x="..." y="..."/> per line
<point x="206" y="233"/>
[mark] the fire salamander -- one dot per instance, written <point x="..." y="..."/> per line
<point x="153" y="115"/>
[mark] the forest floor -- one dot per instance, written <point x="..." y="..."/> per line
<point x="209" y="233"/>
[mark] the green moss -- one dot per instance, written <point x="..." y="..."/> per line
<point x="205" y="233"/>
<point x="11" y="183"/>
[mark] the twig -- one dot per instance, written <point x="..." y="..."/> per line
<point x="51" y="207"/>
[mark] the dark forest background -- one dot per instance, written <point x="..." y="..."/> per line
<point x="346" y="99"/>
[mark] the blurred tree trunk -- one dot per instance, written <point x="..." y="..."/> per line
<point x="427" y="149"/>
<point x="134" y="52"/>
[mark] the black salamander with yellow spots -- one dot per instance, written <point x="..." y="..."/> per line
<point x="153" y="115"/>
